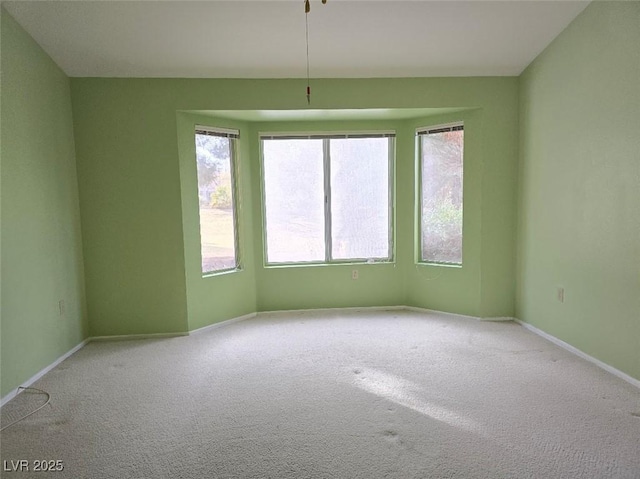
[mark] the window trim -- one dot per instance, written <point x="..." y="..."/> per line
<point x="326" y="137"/>
<point x="217" y="131"/>
<point x="233" y="136"/>
<point x="422" y="131"/>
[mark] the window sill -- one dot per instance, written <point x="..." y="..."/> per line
<point x="444" y="265"/>
<point x="336" y="263"/>
<point x="215" y="274"/>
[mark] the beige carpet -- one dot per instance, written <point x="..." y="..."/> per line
<point x="332" y="395"/>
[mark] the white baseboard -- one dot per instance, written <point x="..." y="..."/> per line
<point x="463" y="316"/>
<point x="379" y="308"/>
<point x="221" y="324"/>
<point x="121" y="337"/>
<point x="42" y="372"/>
<point x="616" y="372"/>
<point x="331" y="310"/>
<point x="433" y="311"/>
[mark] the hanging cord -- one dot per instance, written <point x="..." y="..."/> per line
<point x="32" y="412"/>
<point x="307" y="8"/>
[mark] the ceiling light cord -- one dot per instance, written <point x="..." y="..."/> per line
<point x="307" y="9"/>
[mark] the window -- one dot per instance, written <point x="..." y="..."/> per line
<point x="215" y="149"/>
<point x="327" y="198"/>
<point x="441" y="172"/>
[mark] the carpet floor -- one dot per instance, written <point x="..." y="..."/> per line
<point x="345" y="394"/>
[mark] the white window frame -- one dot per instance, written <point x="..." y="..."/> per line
<point x="454" y="126"/>
<point x="328" y="240"/>
<point x="233" y="136"/>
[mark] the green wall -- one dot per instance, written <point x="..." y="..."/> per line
<point x="41" y="242"/>
<point x="580" y="186"/>
<point x="440" y="287"/>
<point x="127" y="158"/>
<point x="136" y="201"/>
<point x="227" y="295"/>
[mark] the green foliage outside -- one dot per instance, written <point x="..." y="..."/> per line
<point x="214" y="171"/>
<point x="221" y="197"/>
<point x="443" y="221"/>
<point x="442" y="197"/>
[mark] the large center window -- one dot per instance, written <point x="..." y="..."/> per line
<point x="328" y="198"/>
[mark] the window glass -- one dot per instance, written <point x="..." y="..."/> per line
<point x="294" y="200"/>
<point x="214" y="157"/>
<point x="441" y="191"/>
<point x="360" y="198"/>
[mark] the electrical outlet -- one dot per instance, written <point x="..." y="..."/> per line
<point x="354" y="274"/>
<point x="561" y="294"/>
<point x="61" y="307"/>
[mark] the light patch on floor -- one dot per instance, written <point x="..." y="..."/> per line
<point x="407" y="394"/>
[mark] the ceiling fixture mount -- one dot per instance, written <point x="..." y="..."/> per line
<point x="307" y="5"/>
<point x="307" y="9"/>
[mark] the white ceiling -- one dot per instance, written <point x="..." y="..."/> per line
<point x="266" y="39"/>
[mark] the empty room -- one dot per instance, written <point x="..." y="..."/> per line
<point x="320" y="239"/>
